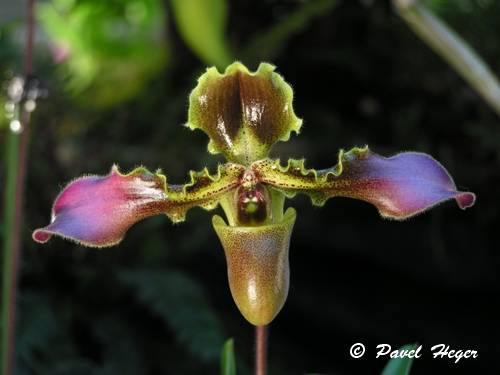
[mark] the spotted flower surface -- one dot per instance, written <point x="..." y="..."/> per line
<point x="244" y="114"/>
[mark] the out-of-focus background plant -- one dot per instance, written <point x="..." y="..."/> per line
<point x="119" y="73"/>
<point x="100" y="45"/>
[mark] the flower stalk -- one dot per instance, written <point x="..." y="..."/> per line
<point x="17" y="150"/>
<point x="260" y="350"/>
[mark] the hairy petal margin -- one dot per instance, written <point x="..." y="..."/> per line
<point x="96" y="211"/>
<point x="400" y="186"/>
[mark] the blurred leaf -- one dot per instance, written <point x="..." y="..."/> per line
<point x="463" y="6"/>
<point x="8" y="57"/>
<point x="180" y="301"/>
<point x="202" y="25"/>
<point x="9" y="51"/>
<point x="227" y="361"/>
<point x="44" y="345"/>
<point x="268" y="44"/>
<point x="36" y="327"/>
<point x="400" y="366"/>
<point x="104" y="44"/>
<point x="3" y="117"/>
<point x="476" y="21"/>
<point x="78" y="366"/>
<point x="119" y="348"/>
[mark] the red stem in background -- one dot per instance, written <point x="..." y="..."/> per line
<point x="15" y="249"/>
<point x="260" y="350"/>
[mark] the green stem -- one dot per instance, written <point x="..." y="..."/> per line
<point x="10" y="258"/>
<point x="451" y="47"/>
<point x="17" y="147"/>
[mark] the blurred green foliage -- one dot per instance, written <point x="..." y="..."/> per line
<point x="202" y="24"/>
<point x="470" y="18"/>
<point x="101" y="44"/>
<point x="3" y="118"/>
<point x="181" y="303"/>
<point x="8" y="55"/>
<point x="159" y="303"/>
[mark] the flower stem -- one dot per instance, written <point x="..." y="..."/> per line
<point x="452" y="48"/>
<point x="260" y="350"/>
<point x="17" y="147"/>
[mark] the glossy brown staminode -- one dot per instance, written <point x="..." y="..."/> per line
<point x="243" y="113"/>
<point x="252" y="205"/>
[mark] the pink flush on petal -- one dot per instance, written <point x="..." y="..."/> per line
<point x="403" y="185"/>
<point x="98" y="210"/>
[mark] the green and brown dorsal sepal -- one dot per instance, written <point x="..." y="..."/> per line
<point x="243" y="113"/>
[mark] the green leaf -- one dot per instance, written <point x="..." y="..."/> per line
<point x="227" y="360"/>
<point x="400" y="366"/>
<point x="202" y="24"/>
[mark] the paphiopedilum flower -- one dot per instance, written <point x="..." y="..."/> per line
<point x="245" y="114"/>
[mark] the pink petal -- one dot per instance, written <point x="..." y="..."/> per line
<point x="402" y="185"/>
<point x="98" y="210"/>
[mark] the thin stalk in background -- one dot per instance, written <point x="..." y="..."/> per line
<point x="451" y="47"/>
<point x="17" y="149"/>
<point x="260" y="350"/>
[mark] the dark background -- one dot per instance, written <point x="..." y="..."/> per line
<point x="159" y="303"/>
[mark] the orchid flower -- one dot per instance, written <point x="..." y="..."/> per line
<point x="244" y="114"/>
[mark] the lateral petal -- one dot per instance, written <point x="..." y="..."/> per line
<point x="96" y="211"/>
<point x="399" y="186"/>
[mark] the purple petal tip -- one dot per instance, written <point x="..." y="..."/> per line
<point x="466" y="200"/>
<point x="41" y="236"/>
<point x="97" y="210"/>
